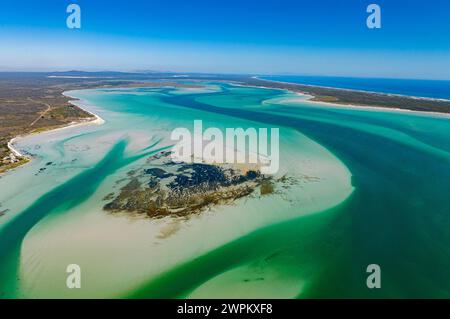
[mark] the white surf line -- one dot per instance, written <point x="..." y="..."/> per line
<point x="98" y="120"/>
<point x="12" y="149"/>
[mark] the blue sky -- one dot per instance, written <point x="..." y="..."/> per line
<point x="319" y="37"/>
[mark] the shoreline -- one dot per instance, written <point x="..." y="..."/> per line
<point x="306" y="98"/>
<point x="95" y="119"/>
<point x="311" y="97"/>
<point x="356" y="90"/>
<point x="379" y="108"/>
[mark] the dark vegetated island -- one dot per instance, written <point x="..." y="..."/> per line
<point x="183" y="189"/>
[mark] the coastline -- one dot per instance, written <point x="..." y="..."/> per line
<point x="309" y="99"/>
<point x="95" y="119"/>
<point x="355" y="90"/>
<point x="387" y="99"/>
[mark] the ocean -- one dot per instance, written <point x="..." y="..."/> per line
<point x="438" y="89"/>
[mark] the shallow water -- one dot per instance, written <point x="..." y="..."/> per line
<point x="381" y="197"/>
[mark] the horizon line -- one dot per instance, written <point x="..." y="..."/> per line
<point x="155" y="72"/>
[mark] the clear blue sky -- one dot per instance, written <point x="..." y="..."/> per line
<point x="320" y="37"/>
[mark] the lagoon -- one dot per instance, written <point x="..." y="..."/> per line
<point x="372" y="188"/>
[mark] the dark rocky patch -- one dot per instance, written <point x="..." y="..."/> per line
<point x="158" y="172"/>
<point x="193" y="187"/>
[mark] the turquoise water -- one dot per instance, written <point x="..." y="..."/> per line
<point x="316" y="244"/>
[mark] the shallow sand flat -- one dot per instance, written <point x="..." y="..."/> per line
<point x="118" y="253"/>
<point x="380" y="121"/>
<point x="252" y="281"/>
<point x="21" y="186"/>
<point x="395" y="215"/>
